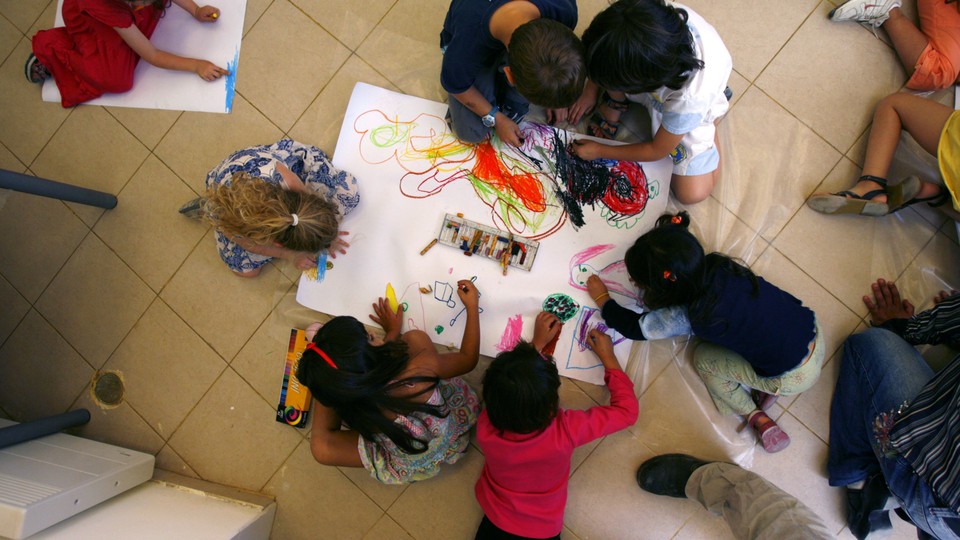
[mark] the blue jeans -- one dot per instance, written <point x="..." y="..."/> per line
<point x="878" y="373"/>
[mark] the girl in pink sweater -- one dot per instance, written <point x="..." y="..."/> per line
<point x="528" y="440"/>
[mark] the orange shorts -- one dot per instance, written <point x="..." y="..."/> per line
<point x="939" y="64"/>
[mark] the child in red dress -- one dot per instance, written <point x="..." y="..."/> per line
<point x="98" y="48"/>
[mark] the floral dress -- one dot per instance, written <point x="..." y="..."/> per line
<point x="309" y="163"/>
<point x="449" y="437"/>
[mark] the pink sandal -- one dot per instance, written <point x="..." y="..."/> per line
<point x="773" y="438"/>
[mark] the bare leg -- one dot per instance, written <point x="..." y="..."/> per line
<point x="694" y="189"/>
<point x="908" y="40"/>
<point x="922" y="118"/>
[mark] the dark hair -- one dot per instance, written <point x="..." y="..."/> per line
<point x="547" y="63"/>
<point x="520" y="390"/>
<point x="360" y="388"/>
<point x="638" y="46"/>
<point x="669" y="264"/>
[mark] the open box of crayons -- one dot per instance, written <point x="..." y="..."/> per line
<point x="477" y="239"/>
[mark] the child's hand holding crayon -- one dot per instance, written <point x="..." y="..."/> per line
<point x="207" y="14"/>
<point x="602" y="346"/>
<point x="597" y="290"/>
<point x="545" y="328"/>
<point x="468" y="294"/>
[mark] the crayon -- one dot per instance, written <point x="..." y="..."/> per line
<point x="392" y="298"/>
<point x="430" y="245"/>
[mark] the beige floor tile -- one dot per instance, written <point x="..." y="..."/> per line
<point x="405" y="47"/>
<point x="284" y="27"/>
<point x="166" y="368"/>
<point x="835" y="94"/>
<point x="146" y="230"/>
<point x="771" y="163"/>
<point x="739" y="85"/>
<point x="168" y="460"/>
<point x="199" y="141"/>
<point x="387" y="529"/>
<point x="203" y="290"/>
<point x="382" y="494"/>
<point x="15" y="307"/>
<point x="859" y="249"/>
<point x="649" y="360"/>
<point x="120" y="426"/>
<point x="45" y="20"/>
<point x="64" y="374"/>
<point x="933" y="270"/>
<point x="800" y="470"/>
<point x="836" y="320"/>
<point x="754" y="36"/>
<point x="147" y="125"/>
<point x="255" y="9"/>
<point x="718" y="229"/>
<point x="339" y="509"/>
<point x="68" y="158"/>
<point x="449" y="496"/>
<point x="39" y="236"/>
<point x="22" y="13"/>
<point x="94" y="300"/>
<point x="677" y="415"/>
<point x="10" y="162"/>
<point x="321" y="123"/>
<point x="348" y="22"/>
<point x="9" y="36"/>
<point x="812" y="407"/>
<point x="26" y="122"/>
<point x="605" y="501"/>
<point x="231" y="436"/>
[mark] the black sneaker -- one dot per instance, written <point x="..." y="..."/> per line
<point x="668" y="474"/>
<point x="35" y="71"/>
<point x="865" y="507"/>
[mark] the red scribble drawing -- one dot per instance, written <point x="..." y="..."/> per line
<point x="531" y="191"/>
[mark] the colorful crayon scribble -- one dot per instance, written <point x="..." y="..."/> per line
<point x="561" y="305"/>
<point x="531" y="191"/>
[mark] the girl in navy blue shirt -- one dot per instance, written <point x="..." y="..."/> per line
<point x="754" y="335"/>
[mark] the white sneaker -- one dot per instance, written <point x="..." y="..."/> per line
<point x="869" y="12"/>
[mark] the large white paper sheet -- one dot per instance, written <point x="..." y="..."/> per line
<point x="179" y="33"/>
<point x="412" y="172"/>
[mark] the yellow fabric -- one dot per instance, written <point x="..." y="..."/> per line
<point x="948" y="154"/>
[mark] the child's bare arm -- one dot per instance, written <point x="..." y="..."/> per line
<point x="133" y="37"/>
<point x="457" y="363"/>
<point x="200" y="13"/>
<point x="660" y="147"/>
<point x="506" y="129"/>
<point x="329" y="444"/>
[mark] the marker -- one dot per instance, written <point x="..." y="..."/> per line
<point x="392" y="298"/>
<point x="430" y="245"/>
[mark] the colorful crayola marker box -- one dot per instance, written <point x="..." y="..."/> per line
<point x="295" y="398"/>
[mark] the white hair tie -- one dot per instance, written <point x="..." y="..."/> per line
<point x="295" y="220"/>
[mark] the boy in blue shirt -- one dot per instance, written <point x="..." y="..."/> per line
<point x="491" y="88"/>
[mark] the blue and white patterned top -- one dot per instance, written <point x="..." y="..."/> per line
<point x="308" y="162"/>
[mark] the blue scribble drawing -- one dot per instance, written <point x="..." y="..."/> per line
<point x="231" y="81"/>
<point x="585" y="323"/>
<point x="443" y="292"/>
<point x="321" y="266"/>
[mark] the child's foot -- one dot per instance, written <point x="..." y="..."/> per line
<point x="35" y="71"/>
<point x="605" y="122"/>
<point x="868" y="12"/>
<point x="771" y="436"/>
<point x="871" y="196"/>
